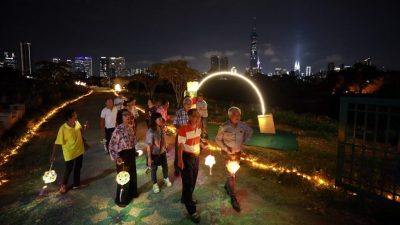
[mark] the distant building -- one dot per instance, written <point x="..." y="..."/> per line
<point x="367" y="61"/>
<point x="56" y="60"/>
<point x="136" y="71"/>
<point x="331" y="66"/>
<point x="26" y="65"/>
<point x="223" y="63"/>
<point x="218" y="63"/>
<point x="117" y="66"/>
<point x="104" y="67"/>
<point x="308" y="71"/>
<point x="83" y="64"/>
<point x="214" y="63"/>
<point x="9" y="60"/>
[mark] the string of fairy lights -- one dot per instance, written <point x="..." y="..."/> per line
<point x="318" y="181"/>
<point x="255" y="163"/>
<point x="7" y="154"/>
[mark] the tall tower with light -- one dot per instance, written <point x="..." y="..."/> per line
<point x="255" y="66"/>
<point x="297" y="68"/>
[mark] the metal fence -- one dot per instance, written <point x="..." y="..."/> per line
<point x="368" y="159"/>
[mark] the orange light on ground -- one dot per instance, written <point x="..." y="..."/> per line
<point x="7" y="154"/>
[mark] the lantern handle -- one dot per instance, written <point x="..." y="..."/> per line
<point x="51" y="165"/>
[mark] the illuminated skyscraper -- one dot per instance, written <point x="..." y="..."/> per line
<point x="83" y="64"/>
<point x="214" y="63"/>
<point x="117" y="66"/>
<point x="255" y="66"/>
<point x="26" y="66"/>
<point x="104" y="67"/>
<point x="56" y="60"/>
<point x="297" y="68"/>
<point x="218" y="63"/>
<point x="10" y="60"/>
<point x="308" y="71"/>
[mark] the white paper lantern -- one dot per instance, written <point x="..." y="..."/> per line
<point x="49" y="176"/>
<point x="210" y="161"/>
<point x="123" y="178"/>
<point x="232" y="166"/>
<point x="140" y="152"/>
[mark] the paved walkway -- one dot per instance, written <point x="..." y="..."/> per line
<point x="263" y="199"/>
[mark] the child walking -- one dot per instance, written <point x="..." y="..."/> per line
<point x="157" y="150"/>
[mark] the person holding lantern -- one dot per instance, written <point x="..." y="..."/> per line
<point x="188" y="160"/>
<point x="157" y="150"/>
<point x="70" y="138"/>
<point x="230" y="138"/>
<point x="122" y="150"/>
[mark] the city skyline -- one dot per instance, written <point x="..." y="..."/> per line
<point x="313" y="33"/>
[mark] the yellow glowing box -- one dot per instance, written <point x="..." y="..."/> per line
<point x="192" y="86"/>
<point x="266" y="124"/>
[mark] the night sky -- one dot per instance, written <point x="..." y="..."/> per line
<point x="145" y="32"/>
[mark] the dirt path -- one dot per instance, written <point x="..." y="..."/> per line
<point x="263" y="198"/>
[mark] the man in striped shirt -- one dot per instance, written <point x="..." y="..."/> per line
<point x="188" y="160"/>
<point x="181" y="119"/>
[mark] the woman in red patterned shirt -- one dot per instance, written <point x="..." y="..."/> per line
<point x="122" y="150"/>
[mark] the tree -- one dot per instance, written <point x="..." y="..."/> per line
<point x="149" y="81"/>
<point x="54" y="72"/>
<point x="178" y="74"/>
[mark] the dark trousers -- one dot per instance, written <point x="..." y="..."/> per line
<point x="176" y="155"/>
<point x="231" y="178"/>
<point x="126" y="192"/>
<point x="157" y="161"/>
<point x="204" y="127"/>
<point x="189" y="178"/>
<point x="108" y="132"/>
<point x="76" y="165"/>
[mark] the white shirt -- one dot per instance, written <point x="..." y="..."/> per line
<point x="110" y="117"/>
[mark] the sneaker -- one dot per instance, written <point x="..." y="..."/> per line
<point x="195" y="217"/>
<point x="167" y="182"/>
<point x="121" y="205"/>
<point x="63" y="189"/>
<point x="156" y="188"/>
<point x="235" y="204"/>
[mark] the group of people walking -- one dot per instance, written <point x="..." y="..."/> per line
<point x="118" y="120"/>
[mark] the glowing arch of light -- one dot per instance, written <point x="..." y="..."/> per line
<point x="241" y="77"/>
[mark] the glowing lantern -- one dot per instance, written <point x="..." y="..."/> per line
<point x="232" y="167"/>
<point x="140" y="152"/>
<point x="192" y="86"/>
<point x="210" y="161"/>
<point x="117" y="88"/>
<point x="123" y="178"/>
<point x="266" y="124"/>
<point x="49" y="176"/>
